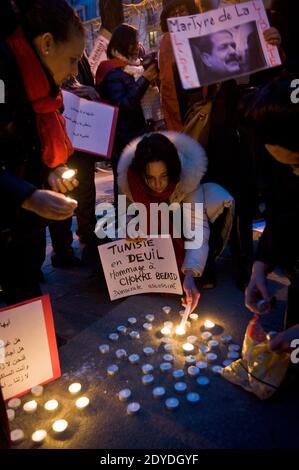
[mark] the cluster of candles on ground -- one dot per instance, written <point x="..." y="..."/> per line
<point x="172" y="337"/>
<point x="58" y="427"/>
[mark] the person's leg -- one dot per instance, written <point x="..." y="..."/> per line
<point x="62" y="239"/>
<point x="292" y="310"/>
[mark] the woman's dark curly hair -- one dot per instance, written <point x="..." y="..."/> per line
<point x="156" y="148"/>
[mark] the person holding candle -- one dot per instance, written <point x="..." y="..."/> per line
<point x="41" y="43"/>
<point x="168" y="168"/>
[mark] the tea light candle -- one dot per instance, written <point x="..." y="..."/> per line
<point x="188" y="347"/>
<point x="51" y="405"/>
<point x="134" y="358"/>
<point x="82" y="402"/>
<point x="113" y="337"/>
<point x="193" y="371"/>
<point x="202" y="365"/>
<point x="190" y="360"/>
<point x="226" y="338"/>
<point x="17" y="435"/>
<point x="213" y="343"/>
<point x="60" y="425"/>
<point x="192" y="339"/>
<point x="124" y="395"/>
<point x="37" y="391"/>
<point x="168" y="358"/>
<point x="203" y="381"/>
<point x="168" y="324"/>
<point x="227" y="362"/>
<point x="203" y="349"/>
<point x="209" y="324"/>
<point x="147" y="379"/>
<point x="121" y="354"/>
<point x="134" y="334"/>
<point x="150" y="317"/>
<point x="30" y="406"/>
<point x="172" y="403"/>
<point x="166" y="309"/>
<point x="10" y="414"/>
<point x="147" y="368"/>
<point x="206" y="336"/>
<point x="233" y="355"/>
<point x="148" y="351"/>
<point x="193" y="316"/>
<point x="178" y="374"/>
<point x="193" y="398"/>
<point x="217" y="370"/>
<point x="147" y="326"/>
<point x="165" y="340"/>
<point x="104" y="348"/>
<point x="159" y="392"/>
<point x="74" y="388"/>
<point x="166" y="331"/>
<point x="122" y="329"/>
<point x="132" y="320"/>
<point x="234" y="347"/>
<point x="180" y="331"/>
<point x="133" y="408"/>
<point x="168" y="347"/>
<point x="14" y="403"/>
<point x="165" y="366"/>
<point x="112" y="370"/>
<point x="211" y="357"/>
<point x="180" y="387"/>
<point x="39" y="436"/>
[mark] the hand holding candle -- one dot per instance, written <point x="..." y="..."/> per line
<point x="192" y="294"/>
<point x="62" y="179"/>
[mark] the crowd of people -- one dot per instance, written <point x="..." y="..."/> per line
<point x="244" y="152"/>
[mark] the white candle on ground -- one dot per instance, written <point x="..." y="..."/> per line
<point x="16" y="435"/>
<point x="166" y="331"/>
<point x="11" y="415"/>
<point x="180" y="330"/>
<point x="74" y="388"/>
<point x="82" y="402"/>
<point x="14" y="403"/>
<point x="60" y="425"/>
<point x="39" y="435"/>
<point x="30" y="406"/>
<point x="209" y="324"/>
<point x="37" y="391"/>
<point x="51" y="405"/>
<point x="188" y="347"/>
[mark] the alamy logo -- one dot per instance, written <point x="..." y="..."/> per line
<point x="295" y="353"/>
<point x="2" y="92"/>
<point x="2" y="352"/>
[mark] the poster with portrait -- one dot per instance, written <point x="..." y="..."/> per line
<point x="222" y="44"/>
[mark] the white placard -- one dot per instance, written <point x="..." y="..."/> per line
<point x="222" y="44"/>
<point x="90" y="125"/>
<point x="28" y="347"/>
<point x="140" y="267"/>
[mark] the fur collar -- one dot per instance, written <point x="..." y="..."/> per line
<point x="193" y="160"/>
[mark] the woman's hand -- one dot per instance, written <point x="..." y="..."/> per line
<point x="60" y="185"/>
<point x="282" y="341"/>
<point x="272" y="36"/>
<point x="50" y="205"/>
<point x="151" y="73"/>
<point x="192" y="294"/>
<point x="257" y="289"/>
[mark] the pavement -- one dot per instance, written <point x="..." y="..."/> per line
<point x="227" y="416"/>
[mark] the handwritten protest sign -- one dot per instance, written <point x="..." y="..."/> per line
<point x="28" y="348"/>
<point x="140" y="267"/>
<point x="222" y="44"/>
<point x="90" y="125"/>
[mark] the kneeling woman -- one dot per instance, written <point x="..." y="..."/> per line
<point x="168" y="167"/>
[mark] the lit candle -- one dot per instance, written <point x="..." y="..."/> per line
<point x="60" y="425"/>
<point x="51" y="405"/>
<point x="82" y="402"/>
<point x="166" y="309"/>
<point x="188" y="347"/>
<point x="68" y="174"/>
<point x="209" y="324"/>
<point x="193" y="316"/>
<point x="30" y="406"/>
<point x="180" y="330"/>
<point x="39" y="435"/>
<point x="166" y="331"/>
<point x="75" y="388"/>
<point x="168" y="324"/>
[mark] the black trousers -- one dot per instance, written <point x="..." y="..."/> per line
<point x="292" y="310"/>
<point x="22" y="253"/>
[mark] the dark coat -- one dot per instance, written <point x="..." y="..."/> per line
<point x="120" y="89"/>
<point x="21" y="167"/>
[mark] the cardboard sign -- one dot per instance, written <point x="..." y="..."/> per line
<point x="90" y="124"/>
<point x="29" y="355"/>
<point x="140" y="267"/>
<point x="222" y="44"/>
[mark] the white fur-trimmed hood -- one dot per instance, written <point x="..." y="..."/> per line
<point x="193" y="161"/>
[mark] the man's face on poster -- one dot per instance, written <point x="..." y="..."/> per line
<point x="223" y="58"/>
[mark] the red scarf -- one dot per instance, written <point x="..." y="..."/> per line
<point x="55" y="144"/>
<point x="143" y="194"/>
<point x="106" y="66"/>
